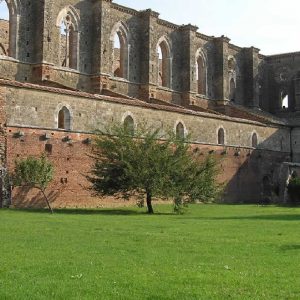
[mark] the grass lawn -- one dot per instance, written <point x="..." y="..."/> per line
<point x="212" y="252"/>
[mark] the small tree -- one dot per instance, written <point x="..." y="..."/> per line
<point x="150" y="165"/>
<point x="34" y="173"/>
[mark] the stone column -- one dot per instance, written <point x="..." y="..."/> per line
<point x="251" y="77"/>
<point x="148" y="58"/>
<point x="189" y="84"/>
<point x="101" y="41"/>
<point x="221" y="68"/>
<point x="297" y="94"/>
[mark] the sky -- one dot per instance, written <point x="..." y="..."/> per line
<point x="270" y="25"/>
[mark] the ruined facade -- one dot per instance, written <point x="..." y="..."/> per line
<point x="68" y="67"/>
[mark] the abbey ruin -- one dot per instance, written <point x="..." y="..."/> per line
<point x="69" y="66"/>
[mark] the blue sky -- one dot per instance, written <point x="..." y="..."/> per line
<point x="271" y="25"/>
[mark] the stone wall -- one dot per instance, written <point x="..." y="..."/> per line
<point x="38" y="41"/>
<point x="38" y="107"/>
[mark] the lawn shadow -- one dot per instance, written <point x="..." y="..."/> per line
<point x="260" y="217"/>
<point x="108" y="212"/>
<point x="290" y="247"/>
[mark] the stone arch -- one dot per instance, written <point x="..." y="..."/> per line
<point x="254" y="140"/>
<point x="129" y="122"/>
<point x="63" y="117"/>
<point x="221" y="136"/>
<point x="201" y="72"/>
<point x="120" y="60"/>
<point x="14" y="9"/>
<point x="68" y="19"/>
<point x="180" y="130"/>
<point x="164" y="62"/>
<point x="129" y="125"/>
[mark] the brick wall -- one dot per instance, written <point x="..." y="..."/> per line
<point x="241" y="169"/>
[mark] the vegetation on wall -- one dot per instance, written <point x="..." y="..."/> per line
<point x="150" y="165"/>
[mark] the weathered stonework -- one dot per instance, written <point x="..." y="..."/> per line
<point x="204" y="83"/>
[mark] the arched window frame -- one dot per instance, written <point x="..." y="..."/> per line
<point x="121" y="30"/>
<point x="221" y="136"/>
<point x="68" y="120"/>
<point x="14" y="8"/>
<point x="129" y="115"/>
<point x="180" y="130"/>
<point x="166" y="72"/>
<point x="254" y="140"/>
<point x="71" y="19"/>
<point x="129" y="125"/>
<point x="201" y="72"/>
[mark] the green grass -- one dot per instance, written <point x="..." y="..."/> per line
<point x="212" y="252"/>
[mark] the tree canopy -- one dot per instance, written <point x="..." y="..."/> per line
<point x="150" y="164"/>
<point x="34" y="173"/>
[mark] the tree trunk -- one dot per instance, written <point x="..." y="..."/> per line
<point x="149" y="203"/>
<point x="48" y="204"/>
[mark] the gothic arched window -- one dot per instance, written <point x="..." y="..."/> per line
<point x="129" y="125"/>
<point x="180" y="132"/>
<point x="221" y="136"/>
<point x="164" y="64"/>
<point x="120" y="48"/>
<point x="68" y="23"/>
<point x="10" y="22"/>
<point x="201" y="75"/>
<point x="64" y="119"/>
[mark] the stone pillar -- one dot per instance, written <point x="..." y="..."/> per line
<point x="148" y="57"/>
<point x="251" y="77"/>
<point x="189" y="83"/>
<point x="101" y="50"/>
<point x="297" y="94"/>
<point x="221" y="68"/>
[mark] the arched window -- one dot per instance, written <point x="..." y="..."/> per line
<point x="164" y="64"/>
<point x="201" y="74"/>
<point x="68" y="22"/>
<point x="254" y="140"/>
<point x="120" y="48"/>
<point x="284" y="100"/>
<point x="232" y="89"/>
<point x="221" y="136"/>
<point x="117" y="57"/>
<point x="129" y="125"/>
<point x="64" y="119"/>
<point x="180" y="134"/>
<point x="9" y="14"/>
